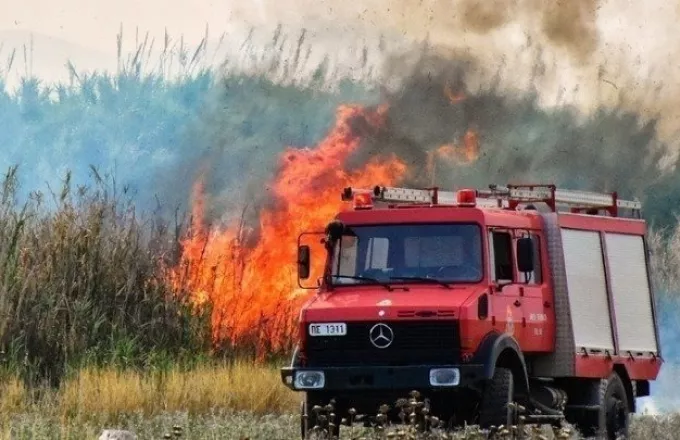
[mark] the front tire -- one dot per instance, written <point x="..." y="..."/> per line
<point x="495" y="408"/>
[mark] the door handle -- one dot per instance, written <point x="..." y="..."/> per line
<point x="517" y="303"/>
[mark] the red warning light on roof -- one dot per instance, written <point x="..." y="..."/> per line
<point x="466" y="197"/>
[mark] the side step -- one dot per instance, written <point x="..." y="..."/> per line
<point x="542" y="419"/>
<point x="582" y="408"/>
<point x="535" y="415"/>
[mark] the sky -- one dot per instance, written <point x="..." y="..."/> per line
<point x="94" y="24"/>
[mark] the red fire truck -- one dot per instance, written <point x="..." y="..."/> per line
<point x="523" y="294"/>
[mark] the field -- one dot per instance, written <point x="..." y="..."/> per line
<point x="228" y="401"/>
<point x="100" y="325"/>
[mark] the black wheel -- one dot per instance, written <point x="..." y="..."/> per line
<point x="310" y="418"/>
<point x="498" y="394"/>
<point x="612" y="420"/>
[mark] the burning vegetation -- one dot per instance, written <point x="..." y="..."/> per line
<point x="246" y="272"/>
<point x="432" y="131"/>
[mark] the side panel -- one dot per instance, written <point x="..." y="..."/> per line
<point x="631" y="294"/>
<point x="586" y="282"/>
<point x="562" y="362"/>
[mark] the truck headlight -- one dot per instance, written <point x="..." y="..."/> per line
<point x="309" y="379"/>
<point x="444" y="377"/>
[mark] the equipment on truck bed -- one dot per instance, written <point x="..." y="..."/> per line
<point x="508" y="197"/>
<point x="479" y="298"/>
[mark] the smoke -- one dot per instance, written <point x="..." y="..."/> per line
<point x="592" y="52"/>
<point x="554" y="90"/>
<point x="664" y="391"/>
<point x="571" y="24"/>
<point x="442" y="101"/>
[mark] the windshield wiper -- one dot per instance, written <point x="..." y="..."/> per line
<point x="431" y="280"/>
<point x="373" y="280"/>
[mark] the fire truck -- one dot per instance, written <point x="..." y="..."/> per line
<point x="483" y="301"/>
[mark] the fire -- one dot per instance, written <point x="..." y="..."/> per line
<point x="465" y="153"/>
<point x="252" y="288"/>
<point x="453" y="97"/>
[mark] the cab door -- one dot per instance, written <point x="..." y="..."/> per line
<point x="534" y="292"/>
<point x="505" y="300"/>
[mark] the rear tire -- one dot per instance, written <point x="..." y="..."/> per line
<point x="612" y="420"/>
<point x="498" y="394"/>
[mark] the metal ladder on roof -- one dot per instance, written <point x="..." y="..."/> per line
<point x="505" y="197"/>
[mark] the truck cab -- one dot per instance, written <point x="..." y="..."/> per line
<point x="479" y="299"/>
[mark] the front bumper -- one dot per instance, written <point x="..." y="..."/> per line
<point x="384" y="378"/>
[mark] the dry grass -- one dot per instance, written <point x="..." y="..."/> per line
<point x="232" y="401"/>
<point x="240" y="386"/>
<point x="112" y="394"/>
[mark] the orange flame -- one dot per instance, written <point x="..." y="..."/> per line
<point x="453" y="97"/>
<point x="252" y="289"/>
<point x="471" y="145"/>
<point x="466" y="153"/>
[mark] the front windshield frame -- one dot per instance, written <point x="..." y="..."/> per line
<point x="336" y="280"/>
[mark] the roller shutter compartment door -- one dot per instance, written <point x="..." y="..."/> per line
<point x="587" y="288"/>
<point x="630" y="290"/>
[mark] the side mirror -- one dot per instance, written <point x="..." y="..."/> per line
<point x="525" y="255"/>
<point x="303" y="262"/>
<point x="334" y="230"/>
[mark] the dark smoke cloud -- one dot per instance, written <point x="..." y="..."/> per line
<point x="609" y="149"/>
<point x="482" y="17"/>
<point x="572" y="24"/>
<point x="519" y="140"/>
<point x="594" y="51"/>
<point x="567" y="23"/>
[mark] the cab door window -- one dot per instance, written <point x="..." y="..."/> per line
<point x="501" y="256"/>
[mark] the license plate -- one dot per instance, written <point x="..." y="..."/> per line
<point x="328" y="329"/>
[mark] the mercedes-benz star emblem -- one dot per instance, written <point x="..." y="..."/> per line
<point x="381" y="336"/>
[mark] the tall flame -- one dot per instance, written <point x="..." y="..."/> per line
<point x="252" y="288"/>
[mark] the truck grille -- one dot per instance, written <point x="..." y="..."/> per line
<point x="414" y="343"/>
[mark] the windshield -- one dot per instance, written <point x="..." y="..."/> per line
<point x="418" y="253"/>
